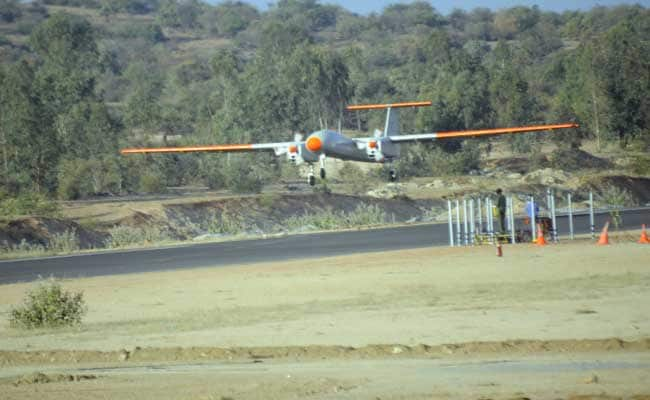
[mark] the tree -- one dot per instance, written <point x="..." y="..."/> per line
<point x="26" y="122"/>
<point x="70" y="63"/>
<point x="10" y="10"/>
<point x="622" y="59"/>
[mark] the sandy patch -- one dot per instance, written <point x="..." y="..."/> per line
<point x="464" y="305"/>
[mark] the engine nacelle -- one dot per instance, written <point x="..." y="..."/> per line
<point x="373" y="150"/>
<point x="294" y="156"/>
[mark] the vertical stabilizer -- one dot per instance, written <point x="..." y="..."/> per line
<point x="392" y="122"/>
<point x="392" y="127"/>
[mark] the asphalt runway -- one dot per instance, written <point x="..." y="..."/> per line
<point x="304" y="246"/>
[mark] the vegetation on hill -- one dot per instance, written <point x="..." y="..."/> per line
<point x="81" y="78"/>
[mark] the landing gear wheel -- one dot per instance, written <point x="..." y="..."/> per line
<point x="392" y="175"/>
<point x="312" y="180"/>
<point x="322" y="173"/>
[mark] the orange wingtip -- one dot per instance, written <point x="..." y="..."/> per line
<point x="497" y="131"/>
<point x="190" y="149"/>
<point x="384" y="106"/>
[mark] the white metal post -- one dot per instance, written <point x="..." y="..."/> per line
<point x="451" y="224"/>
<point x="487" y="218"/>
<point x="591" y="215"/>
<point x="488" y="203"/>
<point x="465" y="226"/>
<point x="532" y="218"/>
<point x="511" y="215"/>
<point x="570" y="216"/>
<point x="480" y="217"/>
<point x="458" y="223"/>
<point x="553" y="219"/>
<point x="471" y="221"/>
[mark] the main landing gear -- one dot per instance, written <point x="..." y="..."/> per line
<point x="392" y="175"/>
<point x="321" y="158"/>
<point x="311" y="179"/>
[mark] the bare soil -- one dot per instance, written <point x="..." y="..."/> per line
<point x="554" y="322"/>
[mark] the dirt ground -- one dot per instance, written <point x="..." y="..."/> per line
<point x="566" y="321"/>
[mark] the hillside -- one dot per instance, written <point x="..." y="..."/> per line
<point x="82" y="79"/>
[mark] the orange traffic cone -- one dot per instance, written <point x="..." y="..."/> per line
<point x="604" y="237"/>
<point x="540" y="236"/>
<point x="644" y="236"/>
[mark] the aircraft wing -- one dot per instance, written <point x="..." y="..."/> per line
<point x="278" y="148"/>
<point x="478" y="132"/>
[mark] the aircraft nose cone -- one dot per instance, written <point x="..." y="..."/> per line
<point x="314" y="144"/>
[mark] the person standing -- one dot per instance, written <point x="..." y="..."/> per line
<point x="501" y="210"/>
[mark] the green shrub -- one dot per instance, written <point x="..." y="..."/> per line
<point x="49" y="306"/>
<point x="425" y="160"/>
<point x="226" y="223"/>
<point x="363" y="215"/>
<point x="152" y="183"/>
<point x="640" y="165"/>
<point x="124" y="236"/>
<point x="65" y="242"/>
<point x="366" y="214"/>
<point x="614" y="196"/>
<point x="360" y="182"/>
<point x="27" y="204"/>
<point x="80" y="178"/>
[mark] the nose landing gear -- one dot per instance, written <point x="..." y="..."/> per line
<point x="311" y="179"/>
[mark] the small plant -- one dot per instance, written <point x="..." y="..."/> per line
<point x="366" y="214"/>
<point x="48" y="306"/>
<point x="616" y="198"/>
<point x="124" y="236"/>
<point x="65" y="242"/>
<point x="27" y="204"/>
<point x="226" y="223"/>
<point x="363" y="215"/>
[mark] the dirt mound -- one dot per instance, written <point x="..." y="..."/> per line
<point x="268" y="213"/>
<point x="41" y="230"/>
<point x="138" y="354"/>
<point x="566" y="160"/>
<point x="138" y="218"/>
<point x="39" y="377"/>
<point x="637" y="188"/>
<point x="572" y="159"/>
<point x="521" y="165"/>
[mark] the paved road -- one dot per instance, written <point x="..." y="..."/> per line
<point x="250" y="251"/>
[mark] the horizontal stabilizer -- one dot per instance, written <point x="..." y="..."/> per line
<point x="385" y="106"/>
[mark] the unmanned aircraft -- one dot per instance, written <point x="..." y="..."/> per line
<point x="383" y="147"/>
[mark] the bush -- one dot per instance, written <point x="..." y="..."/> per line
<point x="152" y="182"/>
<point x="80" y="178"/>
<point x="27" y="204"/>
<point x="617" y="197"/>
<point x="427" y="160"/>
<point x="640" y="165"/>
<point x="228" y="224"/>
<point x="48" y="306"/>
<point x="124" y="236"/>
<point x="359" y="181"/>
<point x="363" y="215"/>
<point x="65" y="242"/>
